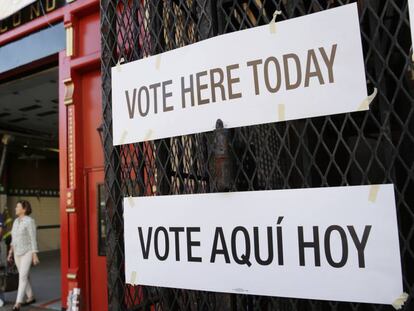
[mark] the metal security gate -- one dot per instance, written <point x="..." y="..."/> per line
<point x="349" y="149"/>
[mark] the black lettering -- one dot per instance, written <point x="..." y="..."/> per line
<point x="185" y="90"/>
<point x="167" y="243"/>
<point x="223" y="251"/>
<point x="344" y="242"/>
<point x="278" y="74"/>
<point x="201" y="87"/>
<point x="360" y="244"/>
<point x="329" y="61"/>
<point x="317" y="73"/>
<point x="231" y="81"/>
<point x="314" y="245"/>
<point x="131" y="108"/>
<point x="269" y="259"/>
<point x="176" y="231"/>
<point x="165" y="95"/>
<point x="295" y="58"/>
<point x="279" y="242"/>
<point x="145" y="249"/>
<point x="217" y="84"/>
<point x="154" y="87"/>
<point x="142" y="112"/>
<point x="244" y="258"/>
<point x="191" y="243"/>
<point x="254" y="64"/>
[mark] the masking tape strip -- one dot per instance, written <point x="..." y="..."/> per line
<point x="158" y="61"/>
<point x="148" y="135"/>
<point x="272" y="24"/>
<point x="367" y="101"/>
<point x="118" y="64"/>
<point x="281" y="112"/>
<point x="123" y="137"/>
<point x="131" y="201"/>
<point x="133" y="277"/>
<point x="373" y="192"/>
<point x="400" y="301"/>
<point x="240" y="290"/>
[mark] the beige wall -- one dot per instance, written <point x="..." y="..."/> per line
<point x="45" y="212"/>
<point x="3" y="202"/>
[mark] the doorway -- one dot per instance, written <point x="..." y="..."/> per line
<point x="29" y="107"/>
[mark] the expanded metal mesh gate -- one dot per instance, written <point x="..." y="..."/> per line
<point x="350" y="149"/>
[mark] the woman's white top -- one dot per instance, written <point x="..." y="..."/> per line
<point x="24" y="236"/>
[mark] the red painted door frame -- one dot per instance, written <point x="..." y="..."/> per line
<point x="81" y="20"/>
<point x="98" y="298"/>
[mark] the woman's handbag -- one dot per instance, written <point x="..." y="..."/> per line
<point x="9" y="278"/>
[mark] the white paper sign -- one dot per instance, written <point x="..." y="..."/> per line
<point x="9" y="7"/>
<point x="250" y="243"/>
<point x="303" y="67"/>
<point x="411" y="16"/>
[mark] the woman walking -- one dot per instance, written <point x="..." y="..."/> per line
<point x="24" y="248"/>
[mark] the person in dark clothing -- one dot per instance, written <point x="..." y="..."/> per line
<point x="7" y="227"/>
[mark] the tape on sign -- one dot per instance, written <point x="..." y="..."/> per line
<point x="367" y="101"/>
<point x="240" y="290"/>
<point x="272" y="24"/>
<point x="148" y="135"/>
<point x="281" y="112"/>
<point x="158" y="61"/>
<point x="118" y="64"/>
<point x="133" y="277"/>
<point x="123" y="137"/>
<point x="131" y="201"/>
<point x="400" y="301"/>
<point x="373" y="192"/>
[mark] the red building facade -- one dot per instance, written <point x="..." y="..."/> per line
<point x="80" y="148"/>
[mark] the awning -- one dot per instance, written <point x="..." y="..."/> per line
<point x="9" y="7"/>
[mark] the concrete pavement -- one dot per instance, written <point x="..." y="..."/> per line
<point x="45" y="280"/>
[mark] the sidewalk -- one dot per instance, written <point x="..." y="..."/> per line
<point x="45" y="280"/>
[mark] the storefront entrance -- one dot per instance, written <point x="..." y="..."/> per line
<point x="50" y="74"/>
<point x="29" y="128"/>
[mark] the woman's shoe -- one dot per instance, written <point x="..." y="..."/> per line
<point x="29" y="302"/>
<point x="16" y="308"/>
